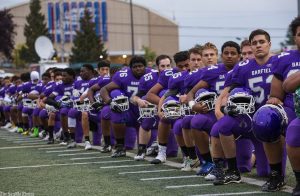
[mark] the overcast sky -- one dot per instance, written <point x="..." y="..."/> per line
<point x="218" y="21"/>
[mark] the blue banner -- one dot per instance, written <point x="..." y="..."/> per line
<point x="67" y="26"/>
<point x="74" y="19"/>
<point x="104" y="21"/>
<point x="97" y="18"/>
<point x="50" y="21"/>
<point x="57" y="22"/>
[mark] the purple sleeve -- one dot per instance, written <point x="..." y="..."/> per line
<point x="121" y="77"/>
<point x="239" y="73"/>
<point x="58" y="89"/>
<point x="164" y="78"/>
<point x="228" y="79"/>
<point x="103" y="81"/>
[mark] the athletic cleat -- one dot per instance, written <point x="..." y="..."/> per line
<point x="296" y="191"/>
<point x="152" y="150"/>
<point x="119" y="152"/>
<point x="87" y="145"/>
<point x="205" y="169"/>
<point x="106" y="149"/>
<point x="26" y="133"/>
<point x="36" y="132"/>
<point x="191" y="164"/>
<point x="184" y="162"/>
<point x="58" y="134"/>
<point x="20" y="130"/>
<point x="7" y="125"/>
<point x="13" y="130"/>
<point x="228" y="177"/>
<point x="64" y="142"/>
<point x="46" y="138"/>
<point x="42" y="134"/>
<point x="215" y="172"/>
<point x="161" y="157"/>
<point x="72" y="144"/>
<point x="275" y="182"/>
<point x="139" y="157"/>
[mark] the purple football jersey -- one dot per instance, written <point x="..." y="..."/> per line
<point x="79" y="87"/>
<point x="28" y="87"/>
<point x="256" y="77"/>
<point x="62" y="89"/>
<point x="11" y="90"/>
<point x="176" y="81"/>
<point x="127" y="82"/>
<point x="164" y="77"/>
<point x="148" y="81"/>
<point x="215" y="75"/>
<point x="93" y="81"/>
<point x="192" y="79"/>
<point x="104" y="80"/>
<point x="284" y="65"/>
<point x="48" y="88"/>
<point x="228" y="79"/>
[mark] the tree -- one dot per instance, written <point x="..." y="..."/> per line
<point x="149" y="54"/>
<point x="289" y="39"/>
<point x="35" y="27"/>
<point x="87" y="45"/>
<point x="18" y="56"/>
<point x="6" y="33"/>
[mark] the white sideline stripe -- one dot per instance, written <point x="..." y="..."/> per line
<point x="187" y="185"/>
<point x="236" y="193"/>
<point x="62" y="164"/>
<point x="52" y="148"/>
<point x="86" y="158"/>
<point x="170" y="177"/>
<point x="148" y="171"/>
<point x="126" y="166"/>
<point x="84" y="153"/>
<point x="33" y="143"/>
<point x="28" y="141"/>
<point x="71" y="150"/>
<point x="16" y="147"/>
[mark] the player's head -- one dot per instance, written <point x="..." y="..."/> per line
<point x="295" y="29"/>
<point x="103" y="67"/>
<point x="163" y="62"/>
<point x="195" y="58"/>
<point x="34" y="77"/>
<point x="209" y="54"/>
<point x="260" y="43"/>
<point x="230" y="53"/>
<point x="246" y="50"/>
<point x="25" y="77"/>
<point x="68" y="75"/>
<point x="46" y="77"/>
<point x="57" y="75"/>
<point x="138" y="66"/>
<point x="86" y="71"/>
<point x="182" y="60"/>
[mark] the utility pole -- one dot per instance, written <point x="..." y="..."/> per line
<point x="132" y="29"/>
<point x="298" y="7"/>
<point x="62" y="30"/>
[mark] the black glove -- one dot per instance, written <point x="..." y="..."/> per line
<point x="231" y="110"/>
<point x="115" y="107"/>
<point x="97" y="106"/>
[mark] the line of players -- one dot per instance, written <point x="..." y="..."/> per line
<point x="223" y="116"/>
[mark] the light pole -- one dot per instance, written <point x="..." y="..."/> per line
<point x="132" y="28"/>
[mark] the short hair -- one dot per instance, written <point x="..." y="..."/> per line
<point x="294" y="24"/>
<point x="181" y="56"/>
<point x="195" y="50"/>
<point x="245" y="43"/>
<point x="14" y="78"/>
<point x="137" y="59"/>
<point x="210" y="45"/>
<point x="88" y="66"/>
<point x="161" y="57"/>
<point x="231" y="44"/>
<point x="259" y="32"/>
<point x="70" y="71"/>
<point x="46" y="74"/>
<point x="25" y="77"/>
<point x="103" y="63"/>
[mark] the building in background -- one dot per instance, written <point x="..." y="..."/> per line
<point x="112" y="20"/>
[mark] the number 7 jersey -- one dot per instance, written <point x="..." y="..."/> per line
<point x="256" y="77"/>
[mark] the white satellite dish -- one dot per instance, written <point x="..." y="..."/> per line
<point x="44" y="48"/>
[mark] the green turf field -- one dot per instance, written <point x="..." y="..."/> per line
<point x="28" y="165"/>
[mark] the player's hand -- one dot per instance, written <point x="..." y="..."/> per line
<point x="274" y="101"/>
<point x="219" y="114"/>
<point x="97" y="106"/>
<point x="142" y="103"/>
<point x="160" y="114"/>
<point x="200" y="108"/>
<point x="183" y="99"/>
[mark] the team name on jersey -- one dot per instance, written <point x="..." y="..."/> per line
<point x="261" y="71"/>
<point x="135" y="83"/>
<point x="295" y="64"/>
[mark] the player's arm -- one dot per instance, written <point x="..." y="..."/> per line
<point x="152" y="95"/>
<point x="292" y="82"/>
<point x="91" y="91"/>
<point x="220" y="102"/>
<point x="277" y="93"/>
<point x="104" y="92"/>
<point x="192" y="92"/>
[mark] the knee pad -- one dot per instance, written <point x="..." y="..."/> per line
<point x="186" y="122"/>
<point x="149" y="123"/>
<point x="177" y="127"/>
<point x="71" y="122"/>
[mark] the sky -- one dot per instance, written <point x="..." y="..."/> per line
<point x="218" y="21"/>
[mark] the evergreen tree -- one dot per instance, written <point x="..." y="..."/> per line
<point x="6" y="33"/>
<point x="87" y="45"/>
<point x="289" y="39"/>
<point x="35" y="27"/>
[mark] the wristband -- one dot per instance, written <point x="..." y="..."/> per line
<point x="191" y="104"/>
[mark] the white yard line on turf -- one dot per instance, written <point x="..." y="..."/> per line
<point x="187" y="185"/>
<point x="28" y="141"/>
<point x="62" y="164"/>
<point x="52" y="148"/>
<point x="32" y="143"/>
<point x="236" y="193"/>
<point x="126" y="166"/>
<point x="16" y="147"/>
<point x="148" y="171"/>
<point x="70" y="150"/>
<point x="169" y="177"/>
<point x="87" y="158"/>
<point x="84" y="153"/>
